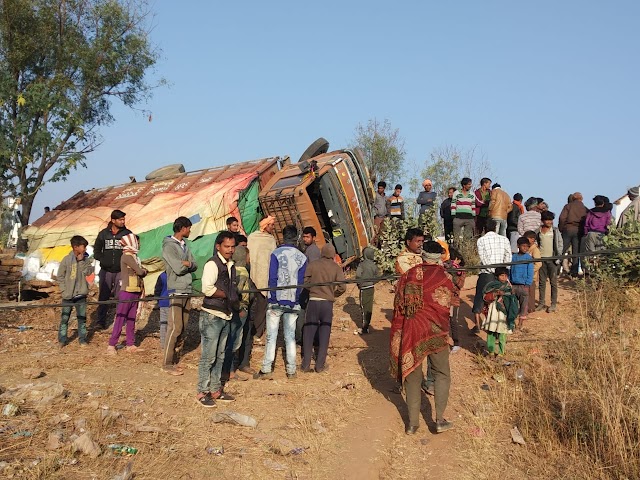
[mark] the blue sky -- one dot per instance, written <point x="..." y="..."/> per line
<point x="547" y="90"/>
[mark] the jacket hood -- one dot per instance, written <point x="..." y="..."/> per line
<point x="328" y="251"/>
<point x="368" y="253"/>
<point x="602" y="210"/>
<point x="168" y="239"/>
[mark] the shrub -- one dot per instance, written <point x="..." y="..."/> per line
<point x="625" y="265"/>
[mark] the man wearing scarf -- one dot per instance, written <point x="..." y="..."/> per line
<point x="261" y="244"/>
<point x="420" y="329"/>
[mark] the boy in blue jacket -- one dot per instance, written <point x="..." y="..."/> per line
<point x="521" y="277"/>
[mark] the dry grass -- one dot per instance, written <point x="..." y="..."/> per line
<point x="578" y="406"/>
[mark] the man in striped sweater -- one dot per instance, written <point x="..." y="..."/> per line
<point x="463" y="211"/>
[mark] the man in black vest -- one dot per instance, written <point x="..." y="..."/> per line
<point x="108" y="251"/>
<point x="219" y="285"/>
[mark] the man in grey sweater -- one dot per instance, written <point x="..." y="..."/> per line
<point x="180" y="264"/>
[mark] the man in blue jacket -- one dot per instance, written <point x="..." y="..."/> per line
<point x="286" y="267"/>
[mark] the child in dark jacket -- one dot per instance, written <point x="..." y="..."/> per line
<point x="367" y="269"/>
<point x="521" y="277"/>
<point x="454" y="267"/>
<point x="160" y="291"/>
<point x="72" y="273"/>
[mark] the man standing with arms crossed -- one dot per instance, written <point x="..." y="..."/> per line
<point x="179" y="264"/>
<point x="108" y="251"/>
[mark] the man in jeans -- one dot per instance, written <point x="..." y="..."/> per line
<point x="550" y="244"/>
<point x="286" y="267"/>
<point x="221" y="302"/>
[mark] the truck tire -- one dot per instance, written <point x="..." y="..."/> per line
<point x="318" y="147"/>
<point x="175" y="169"/>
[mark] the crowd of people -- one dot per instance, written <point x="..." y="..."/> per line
<point x="251" y="285"/>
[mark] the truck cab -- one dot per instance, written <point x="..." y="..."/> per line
<point x="330" y="192"/>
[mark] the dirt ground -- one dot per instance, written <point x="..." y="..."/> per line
<point x="346" y="423"/>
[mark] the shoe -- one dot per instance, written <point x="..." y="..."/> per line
<point x="292" y="376"/>
<point x="363" y="331"/>
<point x="411" y="430"/>
<point x="206" y="400"/>
<point x="220" y="396"/>
<point x="455" y="348"/>
<point x="306" y="369"/>
<point x="475" y="330"/>
<point x="111" y="350"/>
<point x="323" y="369"/>
<point x="429" y="390"/>
<point x="443" y="425"/>
<point x="248" y="370"/>
<point x="541" y="307"/>
<point x="172" y="370"/>
<point x="552" y="308"/>
<point x="236" y="376"/>
<point x="83" y="344"/>
<point x="263" y="375"/>
<point x="61" y="345"/>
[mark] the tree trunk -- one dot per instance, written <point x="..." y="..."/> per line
<point x="26" y="204"/>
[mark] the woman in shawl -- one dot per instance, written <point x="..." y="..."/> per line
<point x="420" y="329"/>
<point x="131" y="289"/>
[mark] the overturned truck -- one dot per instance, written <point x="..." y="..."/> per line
<point x="329" y="191"/>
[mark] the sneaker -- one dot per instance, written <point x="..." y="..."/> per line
<point x="443" y="425"/>
<point x="553" y="308"/>
<point x="248" y="370"/>
<point x="541" y="307"/>
<point x="172" y="370"/>
<point x="263" y="375"/>
<point x="411" y="430"/>
<point x="455" y="348"/>
<point x="236" y="376"/>
<point x="220" y="396"/>
<point x="292" y="376"/>
<point x="206" y="400"/>
<point x="111" y="350"/>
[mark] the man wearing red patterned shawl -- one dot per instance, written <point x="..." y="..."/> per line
<point x="420" y="329"/>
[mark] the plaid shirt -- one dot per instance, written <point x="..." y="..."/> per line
<point x="493" y="248"/>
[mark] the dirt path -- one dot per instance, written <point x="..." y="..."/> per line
<point x="347" y="423"/>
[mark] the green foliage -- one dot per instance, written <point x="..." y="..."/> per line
<point x="625" y="265"/>
<point x="391" y="237"/>
<point x="62" y="62"/>
<point x="382" y="149"/>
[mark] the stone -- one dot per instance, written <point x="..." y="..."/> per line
<point x="85" y="445"/>
<point x="56" y="440"/>
<point x="38" y="395"/>
<point x="31" y="373"/>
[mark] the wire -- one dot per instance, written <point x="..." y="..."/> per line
<point x="198" y="293"/>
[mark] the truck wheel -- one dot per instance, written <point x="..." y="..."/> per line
<point x="318" y="147"/>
